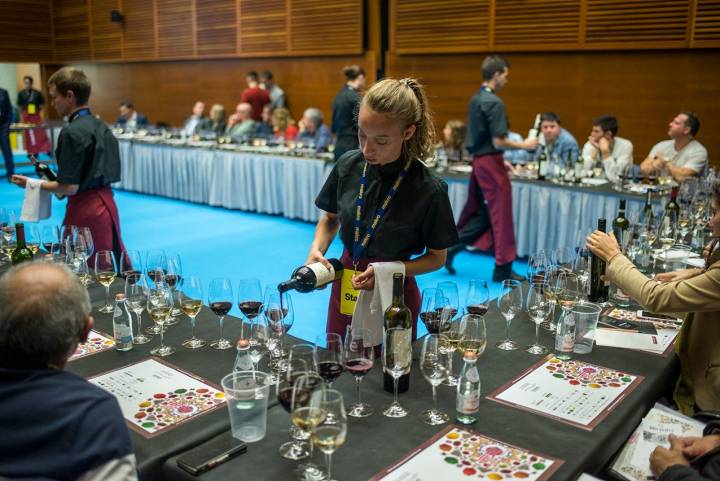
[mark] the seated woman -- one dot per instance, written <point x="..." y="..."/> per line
<point x="454" y="140"/>
<point x="215" y="124"/>
<point x="284" y="124"/>
<point x="693" y="292"/>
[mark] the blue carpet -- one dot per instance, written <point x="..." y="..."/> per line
<point x="216" y="242"/>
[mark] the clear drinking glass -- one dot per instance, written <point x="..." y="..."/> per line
<point x="191" y="297"/>
<point x="358" y="357"/>
<point x="510" y="303"/>
<point x="160" y="306"/>
<point x="136" y="292"/>
<point x="434" y="367"/>
<point x="330" y="429"/>
<point x="539" y="309"/>
<point x="220" y="297"/>
<point x="105" y="273"/>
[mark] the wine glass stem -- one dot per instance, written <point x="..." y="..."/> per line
<point x="358" y="380"/>
<point x="222" y="318"/>
<point x="328" y="461"/>
<point x="537" y="338"/>
<point x="139" y="321"/>
<point x="192" y="328"/>
<point x="395" y="388"/>
<point x="450" y="361"/>
<point x="162" y="344"/>
<point x="507" y="329"/>
<point x="107" y="296"/>
<point x="434" y="391"/>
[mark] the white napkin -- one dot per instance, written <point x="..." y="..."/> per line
<point x="36" y="205"/>
<point x="371" y="305"/>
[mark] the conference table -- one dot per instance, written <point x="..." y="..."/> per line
<point x="376" y="442"/>
<point x="274" y="181"/>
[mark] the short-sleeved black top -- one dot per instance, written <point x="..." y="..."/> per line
<point x="27" y="97"/>
<point x="419" y="215"/>
<point x="486" y="119"/>
<point x="87" y="154"/>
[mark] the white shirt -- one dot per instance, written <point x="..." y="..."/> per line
<point x="620" y="157"/>
<point x="693" y="156"/>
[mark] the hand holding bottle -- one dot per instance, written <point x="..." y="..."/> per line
<point x="19" y="180"/>
<point x="530" y="144"/>
<point x="315" y="255"/>
<point x="603" y="245"/>
<point x="365" y="280"/>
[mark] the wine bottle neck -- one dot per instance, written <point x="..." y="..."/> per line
<point x="20" y="235"/>
<point x="398" y="291"/>
<point x="287" y="285"/>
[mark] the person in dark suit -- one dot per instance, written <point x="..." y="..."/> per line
<point x="345" y="107"/>
<point x="6" y="115"/>
<point x="131" y="118"/>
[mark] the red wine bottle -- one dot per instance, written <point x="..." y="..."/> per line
<point x="313" y="276"/>
<point x="598" y="289"/>
<point x="42" y="169"/>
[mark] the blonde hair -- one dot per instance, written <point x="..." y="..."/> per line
<point x="457" y="134"/>
<point x="405" y="100"/>
<point x="281" y="119"/>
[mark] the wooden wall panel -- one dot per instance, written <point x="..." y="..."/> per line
<point x="175" y="28"/>
<point x="216" y="27"/>
<point x="634" y="86"/>
<point x="263" y="28"/>
<point x="139" y="29"/>
<point x="19" y="43"/>
<point x="319" y="26"/>
<point x="707" y="24"/>
<point x="71" y="31"/>
<point x="536" y="24"/>
<point x="105" y="35"/>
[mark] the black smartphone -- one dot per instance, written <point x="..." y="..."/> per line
<point x="657" y="317"/>
<point x="213" y="453"/>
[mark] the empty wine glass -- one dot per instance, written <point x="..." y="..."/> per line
<point x="582" y="268"/>
<point x="250" y="297"/>
<point x="136" y="291"/>
<point x="397" y="357"/>
<point x="87" y="236"/>
<point x="450" y="291"/>
<point x="49" y="235"/>
<point x="539" y="309"/>
<point x="220" y="297"/>
<point x="329" y="425"/>
<point x="509" y="304"/>
<point x="160" y="305"/>
<point x="191" y="297"/>
<point x="478" y="297"/>
<point x="563" y="258"/>
<point x="105" y="273"/>
<point x="330" y="358"/>
<point x="358" y="357"/>
<point x="434" y="367"/>
<point x="537" y="264"/>
<point x="8" y="219"/>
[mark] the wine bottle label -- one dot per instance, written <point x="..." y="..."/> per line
<point x="543" y="169"/>
<point x="402" y="347"/>
<point x="323" y="275"/>
<point x="468" y="403"/>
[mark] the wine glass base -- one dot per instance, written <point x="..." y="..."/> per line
<point x="162" y="351"/>
<point x="433" y="417"/>
<point x="106" y="309"/>
<point x="536" y="349"/>
<point x="507" y="345"/>
<point x="451" y="381"/>
<point x="395" y="410"/>
<point x="310" y="472"/>
<point x="548" y="326"/>
<point x="155" y="329"/>
<point x="142" y="339"/>
<point x="294" y="450"/>
<point x="221" y="344"/>
<point x="193" y="343"/>
<point x="361" y="410"/>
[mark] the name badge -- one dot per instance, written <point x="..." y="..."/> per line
<point x="348" y="295"/>
<point x="31" y="108"/>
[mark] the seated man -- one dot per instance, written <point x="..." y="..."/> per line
<point x="682" y="156"/>
<point x="555" y="141"/>
<point x="130" y="118"/>
<point x="615" y="153"/>
<point x="55" y="424"/>
<point x="313" y="131"/>
<point x="198" y="115"/>
<point x="241" y="126"/>
<point x="264" y="129"/>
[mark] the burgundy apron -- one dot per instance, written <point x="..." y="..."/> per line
<point x="35" y="138"/>
<point x="337" y="322"/>
<point x="96" y="209"/>
<point x="489" y="175"/>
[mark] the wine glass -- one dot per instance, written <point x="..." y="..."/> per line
<point x="130" y="263"/>
<point x="249" y="297"/>
<point x="537" y="264"/>
<point x="450" y="291"/>
<point x="257" y="333"/>
<point x="330" y="359"/>
<point x="552" y="291"/>
<point x="136" y="291"/>
<point x="667" y="236"/>
<point x="191" y="297"/>
<point x="8" y="219"/>
<point x="358" y="356"/>
<point x="397" y="357"/>
<point x="105" y="273"/>
<point x="329" y="425"/>
<point x="430" y="309"/>
<point x="295" y="394"/>
<point x="509" y="304"/>
<point x="539" y="309"/>
<point x="174" y="279"/>
<point x="434" y="367"/>
<point x="32" y="237"/>
<point x="475" y="335"/>
<point x="563" y="258"/>
<point x="86" y="235"/>
<point x="83" y="273"/>
<point x="451" y="336"/>
<point x="220" y="298"/>
<point x="582" y="268"/>
<point x="156" y="264"/>
<point x="49" y="235"/>
<point x="160" y="305"/>
<point x="278" y="308"/>
<point x="478" y="297"/>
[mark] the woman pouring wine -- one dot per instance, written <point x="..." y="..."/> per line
<point x="386" y="204"/>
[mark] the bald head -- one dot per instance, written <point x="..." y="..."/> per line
<point x="44" y="312"/>
<point x="244" y="110"/>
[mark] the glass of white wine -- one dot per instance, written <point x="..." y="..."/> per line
<point x="191" y="297"/>
<point x="510" y="303"/>
<point x="539" y="309"/>
<point x="474" y="335"/>
<point x="329" y="433"/>
<point x="160" y="304"/>
<point x="32" y="237"/>
<point x="434" y="367"/>
<point x="105" y="273"/>
<point x="450" y="336"/>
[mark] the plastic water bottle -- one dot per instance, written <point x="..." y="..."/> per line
<point x="565" y="336"/>
<point x="468" y="390"/>
<point x="122" y="325"/>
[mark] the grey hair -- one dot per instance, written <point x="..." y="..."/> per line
<point x="315" y="115"/>
<point x="40" y="324"/>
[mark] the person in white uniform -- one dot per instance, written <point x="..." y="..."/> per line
<point x="682" y="156"/>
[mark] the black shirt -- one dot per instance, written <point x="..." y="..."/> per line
<point x="32" y="96"/>
<point x="486" y="120"/>
<point x="87" y="154"/>
<point x="344" y="120"/>
<point x="419" y="215"/>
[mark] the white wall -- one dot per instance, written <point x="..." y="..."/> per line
<point x="8" y="79"/>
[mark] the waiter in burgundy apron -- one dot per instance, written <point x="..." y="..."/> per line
<point x="387" y="205"/>
<point x="30" y="102"/>
<point x="88" y="162"/>
<point x="487" y="219"/>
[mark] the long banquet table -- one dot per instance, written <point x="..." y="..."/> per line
<point x="546" y="215"/>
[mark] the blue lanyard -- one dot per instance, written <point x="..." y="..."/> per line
<point x="359" y="246"/>
<point x="79" y="113"/>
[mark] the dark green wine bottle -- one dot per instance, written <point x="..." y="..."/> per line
<point x="598" y="289"/>
<point x="398" y="315"/>
<point x="672" y="208"/>
<point x="647" y="212"/>
<point x="21" y="252"/>
<point x="542" y="164"/>
<point x="621" y="225"/>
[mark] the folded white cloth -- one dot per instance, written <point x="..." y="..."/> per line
<point x="36" y="205"/>
<point x="371" y="305"/>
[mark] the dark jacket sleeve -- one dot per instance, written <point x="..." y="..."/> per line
<point x="709" y="472"/>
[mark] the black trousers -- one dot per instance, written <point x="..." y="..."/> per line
<point x="6" y="150"/>
<point x="475" y="227"/>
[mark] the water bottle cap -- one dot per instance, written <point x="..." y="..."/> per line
<point x="470" y="356"/>
<point x="242" y="343"/>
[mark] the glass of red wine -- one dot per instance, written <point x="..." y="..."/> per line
<point x="358" y="356"/>
<point x="156" y="265"/>
<point x="450" y="292"/>
<point x="478" y="297"/>
<point x="249" y="298"/>
<point x="220" y="296"/>
<point x="130" y="263"/>
<point x="429" y="314"/>
<point x="49" y="235"/>
<point x="330" y="358"/>
<point x="174" y="279"/>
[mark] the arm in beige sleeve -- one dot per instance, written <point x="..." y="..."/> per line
<point x="698" y="294"/>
